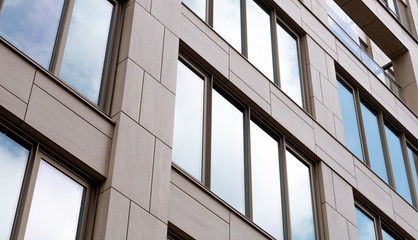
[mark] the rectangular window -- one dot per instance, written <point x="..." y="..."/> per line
<point x="350" y="121"/>
<point x="370" y="226"/>
<point x="254" y="29"/>
<point x="238" y="159"/>
<point x="386" y="150"/>
<point x="41" y="199"/>
<point x="70" y="38"/>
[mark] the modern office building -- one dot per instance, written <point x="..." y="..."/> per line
<point x="209" y="119"/>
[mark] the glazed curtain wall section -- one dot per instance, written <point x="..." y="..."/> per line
<point x="70" y="38"/>
<point x="40" y="198"/>
<point x="222" y="144"/>
<point x="254" y="29"/>
<point x="377" y="143"/>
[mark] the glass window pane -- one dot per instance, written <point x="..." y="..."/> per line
<point x="227" y="162"/>
<point x="374" y="143"/>
<point x="259" y="39"/>
<point x="350" y="123"/>
<point x="85" y="49"/>
<point x="13" y="161"/>
<point x="398" y="165"/>
<point x="365" y="226"/>
<point x="386" y="235"/>
<point x="31" y="26"/>
<point x="227" y="21"/>
<point x="188" y="121"/>
<point x="56" y="205"/>
<point x="300" y="199"/>
<point x="197" y="6"/>
<point x="290" y="81"/>
<point x="413" y="160"/>
<point x="265" y="176"/>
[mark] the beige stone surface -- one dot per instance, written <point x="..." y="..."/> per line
<point x="61" y="125"/>
<point x="240" y="229"/>
<point x="132" y="161"/>
<point x="143" y="225"/>
<point x="344" y="198"/>
<point x="16" y="73"/>
<point x="112" y="216"/>
<point x="194" y="218"/>
<point x="160" y="193"/>
<point x="12" y="103"/>
<point x="335" y="225"/>
<point x="128" y="89"/>
<point x="157" y="110"/>
<point x="170" y="57"/>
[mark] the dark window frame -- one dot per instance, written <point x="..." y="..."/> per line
<point x="212" y="83"/>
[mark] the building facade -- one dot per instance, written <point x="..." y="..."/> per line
<point x="209" y="119"/>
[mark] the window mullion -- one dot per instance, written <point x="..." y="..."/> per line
<point x="275" y="46"/>
<point x="209" y="12"/>
<point x="28" y="195"/>
<point x="244" y="47"/>
<point x="409" y="174"/>
<point x="386" y="150"/>
<point x="361" y="126"/>
<point x="207" y="132"/>
<point x="285" y="191"/>
<point x="62" y="35"/>
<point x="247" y="171"/>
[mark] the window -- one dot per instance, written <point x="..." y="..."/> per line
<point x="41" y="199"/>
<point x="377" y="143"/>
<point x="69" y="38"/>
<point x="254" y="29"/>
<point x="220" y="142"/>
<point x="370" y="226"/>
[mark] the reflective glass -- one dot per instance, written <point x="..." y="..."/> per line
<point x="31" y="26"/>
<point x="387" y="236"/>
<point x="365" y="226"/>
<point x="197" y="6"/>
<point x="343" y="20"/>
<point x="188" y="121"/>
<point x="350" y="123"/>
<point x="344" y="37"/>
<point x="300" y="199"/>
<point x="56" y="205"/>
<point x="374" y="143"/>
<point x="13" y="161"/>
<point x="259" y="39"/>
<point x="413" y="160"/>
<point x="398" y="165"/>
<point x="85" y="49"/>
<point x="391" y="4"/>
<point x="290" y="81"/>
<point x="227" y="21"/>
<point x="265" y="176"/>
<point x="227" y="162"/>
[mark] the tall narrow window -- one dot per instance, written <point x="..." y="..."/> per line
<point x="365" y="226"/>
<point x="31" y="26"/>
<point x="265" y="177"/>
<point x="227" y="20"/>
<point x="56" y="207"/>
<point x="413" y="161"/>
<point x="374" y="143"/>
<point x="260" y="51"/>
<point x="290" y="80"/>
<point x="350" y="122"/>
<point x="85" y="50"/>
<point x="227" y="153"/>
<point x="13" y="161"/>
<point x="188" y="121"/>
<point x="398" y="165"/>
<point x="300" y="195"/>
